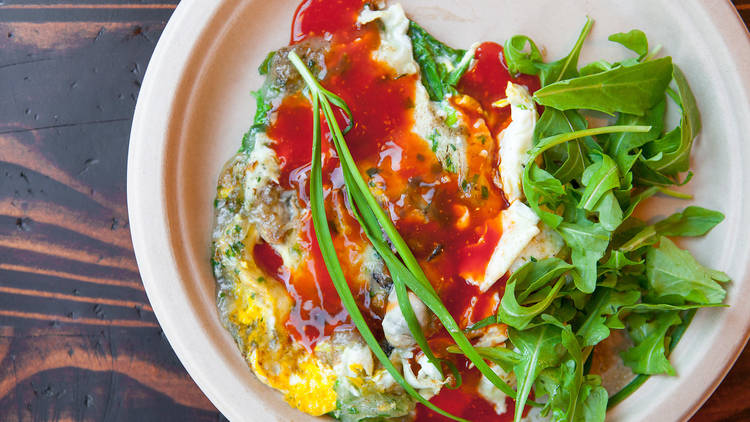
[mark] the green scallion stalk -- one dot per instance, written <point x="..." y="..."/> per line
<point x="325" y="241"/>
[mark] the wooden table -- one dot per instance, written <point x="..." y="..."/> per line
<point x="78" y="339"/>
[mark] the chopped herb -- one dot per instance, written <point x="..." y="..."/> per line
<point x="435" y="252"/>
<point x="433" y="140"/>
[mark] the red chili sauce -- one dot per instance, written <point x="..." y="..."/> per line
<point x="452" y="226"/>
<point x="464" y="401"/>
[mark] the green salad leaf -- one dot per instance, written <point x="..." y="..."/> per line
<point x="634" y="40"/>
<point x="586" y="183"/>
<point x="632" y="89"/>
<point x="672" y="271"/>
<point x="441" y="66"/>
<point x="615" y="272"/>
<point x="649" y="333"/>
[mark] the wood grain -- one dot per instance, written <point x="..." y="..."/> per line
<point x="78" y="338"/>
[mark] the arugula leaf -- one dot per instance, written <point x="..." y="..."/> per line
<point x="649" y="333"/>
<point x="615" y="320"/>
<point x="594" y="398"/>
<point x="260" y="121"/>
<point x="687" y="102"/>
<point x="263" y="106"/>
<point x="265" y="65"/>
<point x="635" y="40"/>
<point x="441" y="66"/>
<point x="672" y="271"/>
<point x="574" y="160"/>
<point x="693" y="221"/>
<point x="531" y="277"/>
<point x="540" y="187"/>
<point x="587" y="241"/>
<point x="598" y="66"/>
<point x="604" y="303"/>
<point x="540" y="348"/>
<point x="599" y="178"/>
<point x="522" y="55"/>
<point x="567" y="67"/>
<point x="671" y="154"/>
<point x="631" y="90"/>
<point x="561" y="384"/>
<point x="620" y="145"/>
<point x="633" y="385"/>
<point x="609" y="211"/>
<point x="619" y="260"/>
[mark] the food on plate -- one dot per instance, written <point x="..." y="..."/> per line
<point x="411" y="231"/>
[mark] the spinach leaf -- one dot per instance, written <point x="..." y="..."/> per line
<point x="634" y="40"/>
<point x="441" y="66"/>
<point x="632" y="90"/>
<point x="672" y="271"/>
<point x="649" y="333"/>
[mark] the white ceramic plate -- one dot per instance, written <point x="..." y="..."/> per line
<point x="195" y="104"/>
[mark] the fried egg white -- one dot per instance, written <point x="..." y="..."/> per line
<point x="341" y="371"/>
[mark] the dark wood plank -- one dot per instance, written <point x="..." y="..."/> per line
<point x="78" y="338"/>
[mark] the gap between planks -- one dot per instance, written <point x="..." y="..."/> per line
<point x="76" y="298"/>
<point x="71" y="276"/>
<point x="85" y="321"/>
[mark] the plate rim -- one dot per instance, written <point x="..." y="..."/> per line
<point x="175" y="49"/>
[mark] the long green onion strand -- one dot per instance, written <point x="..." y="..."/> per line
<point x="551" y="141"/>
<point x="368" y="221"/>
<point x="415" y="278"/>
<point x="325" y="242"/>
